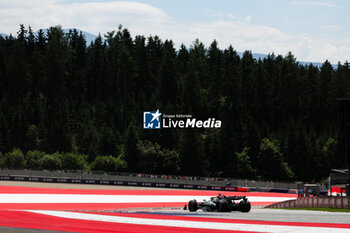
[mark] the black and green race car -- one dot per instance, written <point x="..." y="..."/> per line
<point x="220" y="203"/>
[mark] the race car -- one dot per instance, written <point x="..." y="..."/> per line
<point x="220" y="203"/>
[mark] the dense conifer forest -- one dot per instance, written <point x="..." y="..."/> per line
<point x="68" y="105"/>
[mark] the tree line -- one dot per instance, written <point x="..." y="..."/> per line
<point x="37" y="160"/>
<point x="60" y="96"/>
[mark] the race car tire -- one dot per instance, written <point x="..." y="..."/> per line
<point x="192" y="206"/>
<point x="244" y="206"/>
<point x="223" y="206"/>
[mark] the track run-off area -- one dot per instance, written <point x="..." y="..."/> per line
<point x="88" y="208"/>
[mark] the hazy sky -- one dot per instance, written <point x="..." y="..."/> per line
<point x="311" y="30"/>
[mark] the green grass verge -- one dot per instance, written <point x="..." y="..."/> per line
<point x="319" y="209"/>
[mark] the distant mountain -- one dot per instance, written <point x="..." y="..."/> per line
<point x="261" y="56"/>
<point x="88" y="36"/>
<point x="256" y="56"/>
<point x="317" y="64"/>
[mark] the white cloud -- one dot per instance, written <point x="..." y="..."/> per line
<point x="347" y="40"/>
<point x="264" y="39"/>
<point x="144" y="19"/>
<point x="319" y="4"/>
<point x="323" y="4"/>
<point x="248" y="18"/>
<point x="240" y="34"/>
<point x="93" y="17"/>
<point x="320" y="50"/>
<point x="17" y="4"/>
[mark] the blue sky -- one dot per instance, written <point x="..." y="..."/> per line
<point x="312" y="30"/>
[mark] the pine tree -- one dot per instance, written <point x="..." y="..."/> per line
<point x="130" y="149"/>
<point x="58" y="135"/>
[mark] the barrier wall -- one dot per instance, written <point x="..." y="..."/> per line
<point x="309" y="202"/>
<point x="148" y="181"/>
<point x="124" y="183"/>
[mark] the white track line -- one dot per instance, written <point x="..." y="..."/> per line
<point x="84" y="198"/>
<point x="191" y="224"/>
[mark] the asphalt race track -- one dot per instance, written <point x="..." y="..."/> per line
<point x="79" y="208"/>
